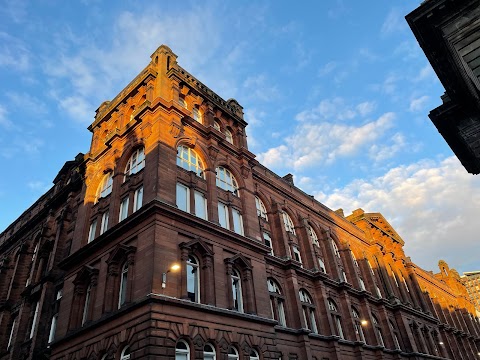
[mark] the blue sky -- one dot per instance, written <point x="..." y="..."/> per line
<point x="335" y="92"/>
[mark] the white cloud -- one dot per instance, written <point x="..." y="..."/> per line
<point x="425" y="73"/>
<point x="13" y="53"/>
<point x="382" y="152"/>
<point x="432" y="205"/>
<point x="418" y="104"/>
<point x="27" y="102"/>
<point x="327" y="68"/>
<point x="4" y="121"/>
<point x="330" y="109"/>
<point x="394" y="22"/>
<point x="366" y="107"/>
<point x="78" y="108"/>
<point x="259" y="88"/>
<point x="315" y="143"/>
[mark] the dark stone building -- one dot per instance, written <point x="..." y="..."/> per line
<point x="449" y="33"/>
<point x="266" y="271"/>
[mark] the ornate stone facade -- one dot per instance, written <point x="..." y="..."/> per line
<point x="266" y="271"/>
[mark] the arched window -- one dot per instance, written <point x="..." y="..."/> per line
<point x="232" y="353"/>
<point x="229" y="136"/>
<point x="86" y="304"/>
<point x="182" y="102"/>
<point x="182" y="350"/>
<point x="287" y="221"/>
<point x="254" y="355"/>
<point x="277" y="302"/>
<point x="378" y="331"/>
<point x="312" y="235"/>
<point x="125" y="355"/>
<point x="216" y="125"/>
<point x="362" y="284"/>
<point x="209" y="352"/>
<point x="357" y="323"/>
<point x="226" y="181"/>
<point x="321" y="265"/>
<point x="354" y="258"/>
<point x="308" y="310"/>
<point x="136" y="162"/>
<point x="261" y="210"/>
<point x="188" y="159"/>
<point x="370" y="267"/>
<point x="122" y="292"/>
<point x="335" y="249"/>
<point x="193" y="279"/>
<point x="395" y="334"/>
<point x="237" y="291"/>
<point x="197" y="115"/>
<point x="336" y="318"/>
<point x="105" y="187"/>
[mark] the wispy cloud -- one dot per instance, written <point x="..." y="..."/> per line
<point x="418" y="104"/>
<point x="394" y="22"/>
<point x="4" y="121"/>
<point x="13" y="53"/>
<point x="328" y="68"/>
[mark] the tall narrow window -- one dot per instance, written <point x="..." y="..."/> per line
<point x="216" y="125"/>
<point x="336" y="318"/>
<point x="209" y="352"/>
<point x="268" y="241"/>
<point x="405" y="283"/>
<point x="123" y="209"/>
<point x="106" y="185"/>
<point x="200" y="205"/>
<point x="183" y="197"/>
<point x="394" y="276"/>
<point x="229" y="136"/>
<point x="395" y="335"/>
<point x="193" y="279"/>
<point x="182" y="102"/>
<point x="30" y="270"/>
<point x="321" y="265"/>
<point x="12" y="330"/>
<point x="370" y="267"/>
<point x="335" y="249"/>
<point x="308" y="310"/>
<point x="34" y="320"/>
<point x="182" y="351"/>
<point x="296" y="254"/>
<point x="122" y="293"/>
<point x="223" y="218"/>
<point x="136" y="162"/>
<point x="86" y="304"/>
<point x="237" y="291"/>
<point x="53" y="327"/>
<point x="343" y="276"/>
<point x="261" y="210"/>
<point x="189" y="160"/>
<point x="287" y="221"/>
<point x="226" y="180"/>
<point x="92" y="231"/>
<point x="312" y="235"/>
<point x="379" y="293"/>
<point x="277" y="302"/>
<point x="197" y="115"/>
<point x="237" y="222"/>
<point x="354" y="258"/>
<point x="138" y="199"/>
<point x="378" y="331"/>
<point x="125" y="355"/>
<point x="232" y="353"/>
<point x="104" y="225"/>
<point x="254" y="355"/>
<point x="362" y="284"/>
<point x="358" y="325"/>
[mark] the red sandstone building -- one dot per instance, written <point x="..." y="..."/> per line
<point x="266" y="271"/>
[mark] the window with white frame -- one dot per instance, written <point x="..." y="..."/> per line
<point x="267" y="240"/>
<point x="261" y="209"/>
<point x="395" y="334"/>
<point x="122" y="292"/>
<point x="197" y="115"/>
<point x="336" y="318"/>
<point x="335" y="249"/>
<point x="92" y="230"/>
<point x="343" y="275"/>
<point x="237" y="221"/>
<point x="378" y="331"/>
<point x="226" y="180"/>
<point x="123" y="209"/>
<point x="209" y="352"/>
<point x="296" y="254"/>
<point x="254" y="355"/>
<point x="308" y="310"/>
<point x="362" y="284"/>
<point x="229" y="136"/>
<point x="182" y="350"/>
<point x="358" y="325"/>
<point x="223" y="217"/>
<point x="354" y="258"/>
<point x="183" y="197"/>
<point x="136" y="162"/>
<point x="232" y="353"/>
<point x="312" y="235"/>
<point x="182" y="102"/>
<point x="405" y="283"/>
<point x="193" y="279"/>
<point x="321" y="265"/>
<point x="200" y="205"/>
<point x="53" y="323"/>
<point x="12" y="330"/>
<point x="125" y="355"/>
<point x="394" y="276"/>
<point x="104" y="224"/>
<point x="189" y="160"/>
<point x="379" y="293"/>
<point x="277" y="302"/>
<point x="34" y="319"/>
<point x="370" y="267"/>
<point x="138" y="199"/>
<point x="106" y="185"/>
<point x="216" y="125"/>
<point x="288" y="223"/>
<point x="86" y="304"/>
<point x="237" y="291"/>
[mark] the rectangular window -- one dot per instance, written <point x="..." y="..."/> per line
<point x="183" y="197"/>
<point x="10" y="337"/>
<point x="104" y="225"/>
<point x="281" y="314"/>
<point x="123" y="209"/>
<point x="268" y="241"/>
<point x="223" y="215"/>
<point x="92" y="231"/>
<point x="200" y="205"/>
<point x="138" y="199"/>
<point x="34" y="320"/>
<point x="53" y="327"/>
<point x="237" y="222"/>
<point x="339" y="326"/>
<point x="296" y="254"/>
